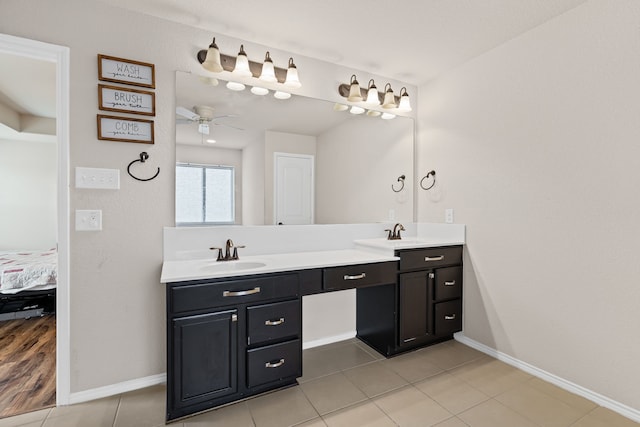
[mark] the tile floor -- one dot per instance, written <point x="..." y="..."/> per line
<point x="348" y="384"/>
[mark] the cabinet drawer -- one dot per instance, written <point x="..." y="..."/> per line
<point x="274" y="362"/>
<point x="430" y="257"/>
<point x="448" y="283"/>
<point x="356" y="276"/>
<point x="198" y="296"/>
<point x="448" y="317"/>
<point x="273" y="321"/>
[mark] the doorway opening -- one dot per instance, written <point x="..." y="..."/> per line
<point x="34" y="251"/>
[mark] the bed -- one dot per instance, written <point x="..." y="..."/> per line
<point x="27" y="283"/>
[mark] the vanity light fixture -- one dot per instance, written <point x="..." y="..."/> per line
<point x="212" y="60"/>
<point x="292" y="79"/>
<point x="340" y="107"/>
<point x="356" y="110"/>
<point x="389" y="99"/>
<point x="404" y="104"/>
<point x="387" y="116"/>
<point x="373" y="113"/>
<point x="281" y="95"/>
<point x="354" y="90"/>
<point x="242" y="68"/>
<point x="372" y="94"/>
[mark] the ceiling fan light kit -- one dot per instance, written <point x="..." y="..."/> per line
<point x="242" y="68"/>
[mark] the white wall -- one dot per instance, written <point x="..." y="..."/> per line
<point x="536" y="146"/>
<point x="28" y="195"/>
<point x="253" y="183"/>
<point x="354" y="176"/>
<point x="117" y="302"/>
<point x="219" y="157"/>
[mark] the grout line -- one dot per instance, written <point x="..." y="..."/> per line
<point x="115" y="415"/>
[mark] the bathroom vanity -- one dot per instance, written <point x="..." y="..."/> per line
<point x="234" y="328"/>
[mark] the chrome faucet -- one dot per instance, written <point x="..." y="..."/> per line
<point x="228" y="255"/>
<point x="395" y="234"/>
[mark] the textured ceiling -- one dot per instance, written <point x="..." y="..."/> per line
<point x="408" y="40"/>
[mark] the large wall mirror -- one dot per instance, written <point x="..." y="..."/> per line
<point x="286" y="161"/>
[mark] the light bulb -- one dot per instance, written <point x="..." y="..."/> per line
<point x="372" y="94"/>
<point x="268" y="72"/>
<point x="281" y="95"/>
<point x="235" y="86"/>
<point x="356" y="110"/>
<point x="242" y="64"/>
<point x="257" y="90"/>
<point x="389" y="99"/>
<point x="387" y="116"/>
<point x="292" y="79"/>
<point x="405" y="104"/>
<point x="212" y="60"/>
<point x="354" y="90"/>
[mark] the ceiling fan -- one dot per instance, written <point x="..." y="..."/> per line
<point x="202" y="115"/>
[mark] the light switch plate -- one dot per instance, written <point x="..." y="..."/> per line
<point x="97" y="178"/>
<point x="88" y="220"/>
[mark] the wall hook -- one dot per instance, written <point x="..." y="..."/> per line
<point x="429" y="174"/>
<point x="401" y="179"/>
<point x="143" y="157"/>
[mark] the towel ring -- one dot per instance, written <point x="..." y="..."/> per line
<point x="431" y="173"/>
<point x="401" y="179"/>
<point x="143" y="157"/>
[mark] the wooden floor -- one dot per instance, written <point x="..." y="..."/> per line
<point x="27" y="365"/>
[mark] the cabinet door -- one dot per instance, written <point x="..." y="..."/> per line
<point x="204" y="357"/>
<point x="414" y="306"/>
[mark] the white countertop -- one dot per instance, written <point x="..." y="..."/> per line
<point x="179" y="271"/>
<point x="406" y="243"/>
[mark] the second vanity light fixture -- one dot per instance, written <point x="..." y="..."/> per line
<point x="370" y="97"/>
<point x="240" y="66"/>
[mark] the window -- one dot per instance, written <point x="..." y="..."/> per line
<point x="204" y="194"/>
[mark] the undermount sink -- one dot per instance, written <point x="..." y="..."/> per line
<point x="221" y="266"/>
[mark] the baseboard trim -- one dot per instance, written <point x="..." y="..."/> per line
<point x="114" y="389"/>
<point x="328" y="340"/>
<point x="624" y="410"/>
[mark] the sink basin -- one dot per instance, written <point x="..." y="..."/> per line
<point x="231" y="266"/>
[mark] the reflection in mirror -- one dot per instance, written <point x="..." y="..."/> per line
<point x="293" y="161"/>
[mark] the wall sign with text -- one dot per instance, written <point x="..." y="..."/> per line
<point x="125" y="100"/>
<point x="112" y="69"/>
<point x="112" y="128"/>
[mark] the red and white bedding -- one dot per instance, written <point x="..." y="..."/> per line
<point x="28" y="270"/>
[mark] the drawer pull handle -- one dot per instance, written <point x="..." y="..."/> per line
<point x="241" y="293"/>
<point x="449" y="317"/>
<point x="410" y="339"/>
<point x="280" y="321"/>
<point x="356" y="277"/>
<point x="451" y="283"/>
<point x="274" y="365"/>
<point x="434" y="258"/>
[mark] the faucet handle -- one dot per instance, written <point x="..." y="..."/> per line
<point x="388" y="233"/>
<point x="220" y="258"/>
<point x="235" y="251"/>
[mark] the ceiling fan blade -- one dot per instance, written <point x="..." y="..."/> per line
<point x="186" y="113"/>
<point x="229" y="126"/>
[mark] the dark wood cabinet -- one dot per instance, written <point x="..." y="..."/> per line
<point x="205" y="351"/>
<point x="425" y="307"/>
<point x="228" y="339"/>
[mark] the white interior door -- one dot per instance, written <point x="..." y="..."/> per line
<point x="294" y="186"/>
